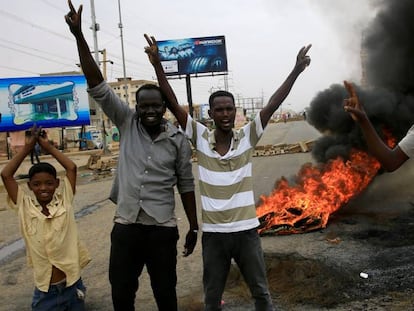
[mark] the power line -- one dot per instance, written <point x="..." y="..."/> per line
<point x="18" y="69"/>
<point x="53" y="5"/>
<point x="31" y="54"/>
<point x="33" y="49"/>
<point x="23" y="21"/>
<point x="45" y="29"/>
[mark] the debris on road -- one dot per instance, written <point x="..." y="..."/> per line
<point x="270" y="150"/>
<point x="98" y="162"/>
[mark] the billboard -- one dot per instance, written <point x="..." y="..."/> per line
<point x="193" y="55"/>
<point x="48" y="101"/>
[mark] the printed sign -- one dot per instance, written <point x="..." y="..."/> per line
<point x="48" y="101"/>
<point x="193" y="55"/>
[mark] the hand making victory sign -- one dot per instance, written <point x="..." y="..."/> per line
<point x="353" y="105"/>
<point x="303" y="60"/>
<point x="390" y="158"/>
<point x="74" y="19"/>
<point x="152" y="49"/>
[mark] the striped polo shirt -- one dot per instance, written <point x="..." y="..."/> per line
<point x="226" y="185"/>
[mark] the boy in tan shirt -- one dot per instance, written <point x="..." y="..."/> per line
<point x="47" y="223"/>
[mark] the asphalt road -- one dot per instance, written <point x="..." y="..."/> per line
<point x="303" y="269"/>
<point x="267" y="170"/>
<point x="288" y="133"/>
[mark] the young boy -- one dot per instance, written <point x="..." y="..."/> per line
<point x="48" y="226"/>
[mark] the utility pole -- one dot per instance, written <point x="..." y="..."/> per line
<point x="189" y="95"/>
<point x="95" y="28"/>
<point x="226" y="83"/>
<point x="104" y="66"/>
<point x="123" y="53"/>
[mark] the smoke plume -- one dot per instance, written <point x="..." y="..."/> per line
<point x="386" y="90"/>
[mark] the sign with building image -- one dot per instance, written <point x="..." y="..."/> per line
<point x="48" y="101"/>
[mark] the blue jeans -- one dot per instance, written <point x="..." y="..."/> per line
<point x="246" y="250"/>
<point x="60" y="298"/>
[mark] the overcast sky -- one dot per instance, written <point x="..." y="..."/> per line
<point x="263" y="38"/>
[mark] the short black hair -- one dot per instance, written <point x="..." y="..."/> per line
<point x="42" y="167"/>
<point x="218" y="94"/>
<point x="150" y="86"/>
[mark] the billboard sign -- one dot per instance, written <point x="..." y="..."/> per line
<point x="193" y="55"/>
<point x="48" y="101"/>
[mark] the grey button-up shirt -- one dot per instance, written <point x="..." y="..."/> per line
<point x="147" y="169"/>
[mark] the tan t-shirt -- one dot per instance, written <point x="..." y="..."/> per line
<point x="51" y="240"/>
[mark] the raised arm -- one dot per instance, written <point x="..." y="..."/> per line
<point x="390" y="159"/>
<point x="302" y="61"/>
<point x="68" y="164"/>
<point x="90" y="69"/>
<point x="172" y="104"/>
<point x="7" y="174"/>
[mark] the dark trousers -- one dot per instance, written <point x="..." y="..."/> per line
<point x="34" y="154"/>
<point x="132" y="247"/>
<point x="246" y="250"/>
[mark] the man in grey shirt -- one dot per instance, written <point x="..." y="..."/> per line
<point x="154" y="157"/>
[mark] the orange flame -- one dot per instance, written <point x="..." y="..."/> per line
<point x="319" y="192"/>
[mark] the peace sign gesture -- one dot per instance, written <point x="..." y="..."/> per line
<point x="303" y="60"/>
<point x="74" y="19"/>
<point x="152" y="49"/>
<point x="352" y="103"/>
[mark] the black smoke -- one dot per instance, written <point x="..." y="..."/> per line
<point x="388" y="94"/>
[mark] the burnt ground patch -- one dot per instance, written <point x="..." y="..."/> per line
<point x="321" y="270"/>
<point x="301" y="281"/>
<point x="392" y="232"/>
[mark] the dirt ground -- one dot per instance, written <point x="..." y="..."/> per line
<point x="310" y="272"/>
<point x="305" y="271"/>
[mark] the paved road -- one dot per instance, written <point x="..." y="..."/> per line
<point x="303" y="262"/>
<point x="289" y="133"/>
<point x="266" y="171"/>
<point x="95" y="223"/>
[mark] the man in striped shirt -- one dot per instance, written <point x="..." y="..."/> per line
<point x="225" y="176"/>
